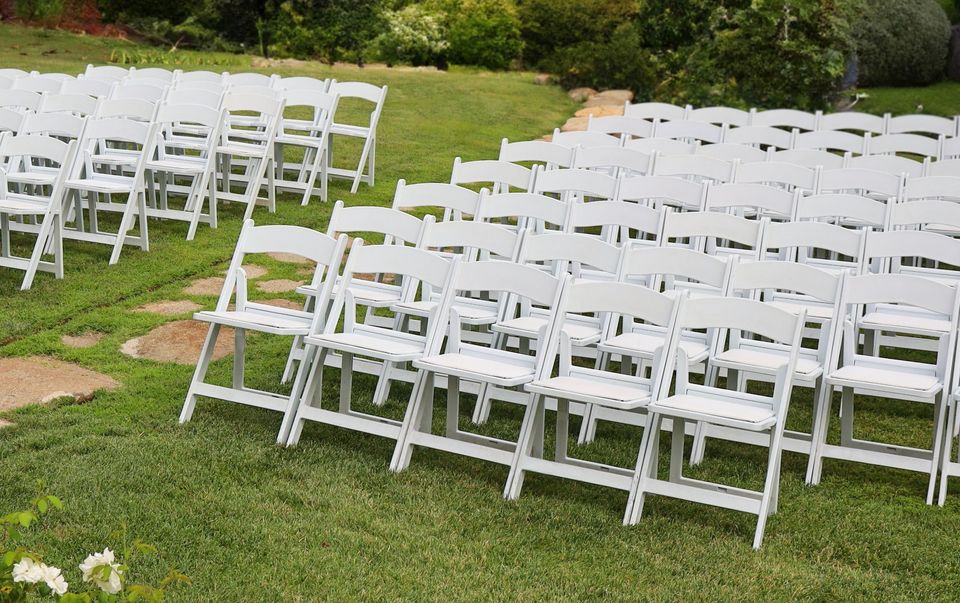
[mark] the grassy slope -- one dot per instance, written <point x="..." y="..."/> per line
<point x="326" y="521"/>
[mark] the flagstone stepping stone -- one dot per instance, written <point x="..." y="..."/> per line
<point x="5" y="424"/>
<point x="280" y="285"/>
<point x="580" y="95"/>
<point x="281" y="303"/>
<point x="170" y="307"/>
<point x="609" y="97"/>
<point x="601" y="111"/>
<point x="84" y="340"/>
<point x="575" y="124"/>
<point x="205" y="286"/>
<point x="290" y="258"/>
<point x="179" y="342"/>
<point x="254" y="271"/>
<point x="38" y="379"/>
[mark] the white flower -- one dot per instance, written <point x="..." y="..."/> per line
<point x="27" y="570"/>
<point x="54" y="579"/>
<point x="92" y="568"/>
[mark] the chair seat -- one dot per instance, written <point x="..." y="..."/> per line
<point x="767" y="361"/>
<point x="117" y="157"/>
<point x="529" y="326"/>
<point x="645" y="344"/>
<point x="887" y="379"/>
<point x="610" y="392"/>
<point x="243" y="149"/>
<point x="180" y="165"/>
<point x="23" y="206"/>
<point x="713" y="410"/>
<point x="508" y="370"/>
<point x="815" y="311"/>
<point x="350" y="130"/>
<point x="258" y="317"/>
<point x="374" y="342"/>
<point x="303" y="140"/>
<point x="116" y="184"/>
<point x="35" y="178"/>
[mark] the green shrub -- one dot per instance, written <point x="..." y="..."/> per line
<point x="414" y="35"/>
<point x="549" y="25"/>
<point x="485" y="33"/>
<point x="901" y="43"/>
<point x="39" y="10"/>
<point x="621" y="62"/>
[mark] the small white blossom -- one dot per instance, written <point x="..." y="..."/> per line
<point x="27" y="570"/>
<point x="92" y="568"/>
<point x="54" y="579"/>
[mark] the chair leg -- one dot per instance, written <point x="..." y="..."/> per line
<point x="346" y="382"/>
<point x="647" y="460"/>
<point x="420" y="396"/>
<point x="818" y="437"/>
<point x="144" y="226"/>
<point x="200" y="373"/>
<point x="525" y="447"/>
<point x="945" y="452"/>
<point x="361" y="166"/>
<point x="239" y="356"/>
<point x="123" y="229"/>
<point x="939" y="428"/>
<point x="296" y="394"/>
<point x="43" y="236"/>
<point x="382" y="390"/>
<point x="308" y="397"/>
<point x="771" y="483"/>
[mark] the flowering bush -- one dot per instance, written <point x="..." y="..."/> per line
<point x="103" y="575"/>
<point x="414" y="35"/>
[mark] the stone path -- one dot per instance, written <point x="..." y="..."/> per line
<point x="37" y="379"/>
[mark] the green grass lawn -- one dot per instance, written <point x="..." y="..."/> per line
<point x="249" y="521"/>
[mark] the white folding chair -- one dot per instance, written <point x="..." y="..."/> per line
<point x="690" y="131"/>
<point x="105" y="73"/>
<point x="931" y="125"/>
<point x="624" y="127"/>
<point x="855" y="211"/>
<point x="765" y="137"/>
<point x="187" y="96"/>
<point x="75" y="104"/>
<point x="249" y="315"/>
<point x="38" y="84"/>
<point x="863" y="123"/>
<point x="133" y="109"/>
<point x="87" y="87"/>
<point x="367" y="132"/>
<point x="594" y="387"/>
<point x="614" y="161"/>
<point x="249" y="79"/>
<point x="497" y="368"/>
<point x="386" y="345"/>
<point x="252" y="145"/>
<point x="655" y="111"/>
<point x="789" y="176"/>
<point x="455" y="201"/>
<point x="301" y="82"/>
<point x="878" y="185"/>
<point x="41" y="199"/>
<point x="151" y="73"/>
<point x="620" y="222"/>
<point x="533" y="211"/>
<point x="185" y="155"/>
<point x="914" y="144"/>
<point x="660" y="191"/>
<point x="10" y="121"/>
<point x="12" y="73"/>
<point x="664" y="146"/>
<point x="714" y="233"/>
<point x="889" y="378"/>
<point x="97" y="172"/>
<point x="585" y="139"/>
<point x="831" y="141"/>
<point x="811" y="158"/>
<point x="548" y="154"/>
<point x="720" y="116"/>
<point x="500" y="176"/>
<point x="311" y="135"/>
<point x="892" y="164"/>
<point x="753" y="199"/>
<point x="20" y="100"/>
<point x="746" y="412"/>
<point x="729" y="151"/>
<point x="695" y="167"/>
<point x="137" y="91"/>
<point x="200" y="76"/>
<point x="785" y="118"/>
<point x="576" y="185"/>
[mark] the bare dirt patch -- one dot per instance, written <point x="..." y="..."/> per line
<point x="281" y="303"/>
<point x="290" y="258"/>
<point x="38" y="379"/>
<point x="179" y="341"/>
<point x="83" y="340"/>
<point x="170" y="307"/>
<point x="280" y="285"/>
<point x="5" y="424"/>
<point x="205" y="286"/>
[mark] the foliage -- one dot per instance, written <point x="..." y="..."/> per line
<point x="549" y="25"/>
<point x="327" y="29"/>
<point x="901" y="43"/>
<point x="39" y="10"/>
<point x="485" y="33"/>
<point x="623" y="62"/>
<point x="414" y="35"/>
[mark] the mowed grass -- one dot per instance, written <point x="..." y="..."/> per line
<point x="249" y="521"/>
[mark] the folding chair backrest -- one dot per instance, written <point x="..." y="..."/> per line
<point x="248" y="79"/>
<point x="897" y="245"/>
<point x="828" y="206"/>
<point x="267" y="106"/>
<point x="785" y="118"/>
<point x="399" y="226"/>
<point x="494" y="239"/>
<point x="87" y="87"/>
<point x="12" y="73"/>
<point x="626" y="127"/>
<point x="117" y="129"/>
<point x="688" y="130"/>
<point x="129" y="108"/>
<point x="524" y="208"/>
<point x="830" y="140"/>
<point x="359" y="90"/>
<point x="651" y="111"/>
<point x="729" y="151"/>
<point x="903" y="289"/>
<point x="568" y="252"/>
<point x="664" y="190"/>
<point x="766" y="200"/>
<point x="922" y="124"/>
<point x="502" y="176"/>
<point x="301" y="82"/>
<point x="664" y="265"/>
<point x="20" y="99"/>
<point x="616" y="215"/>
<point x="870" y="182"/>
<point x="60" y="125"/>
<point x="787" y="276"/>
<point x="35" y="146"/>
<point x="200" y="76"/>
<point x="852" y="120"/>
<point x="924" y="213"/>
<point x="944" y="167"/>
<point x="711" y="227"/>
<point x="536" y="151"/>
<point x="810" y="158"/>
<point x="933" y="187"/>
<point x="77" y="104"/>
<point x="915" y="144"/>
<point x="456" y="199"/>
<point x="748" y="315"/>
<point x="10" y="120"/>
<point x="151" y="73"/>
<point x="892" y="164"/>
<point x="6" y="83"/>
<point x="584" y="139"/>
<point x="138" y="91"/>
<point x="697" y="167"/>
<point x="37" y="83"/>
<point x="779" y="173"/>
<point x="808" y="236"/>
<point x="720" y="116"/>
<point x="527" y="282"/>
<point x="107" y="73"/>
<point x="761" y="136"/>
<point x="611" y="159"/>
<point x="665" y="146"/>
<point x="573" y="182"/>
<point x="169" y="115"/>
<point x="186" y="96"/>
<point x="217" y="88"/>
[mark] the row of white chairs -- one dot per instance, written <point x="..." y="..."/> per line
<point x="639" y="312"/>
<point x="808" y="121"/>
<point x="750" y="142"/>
